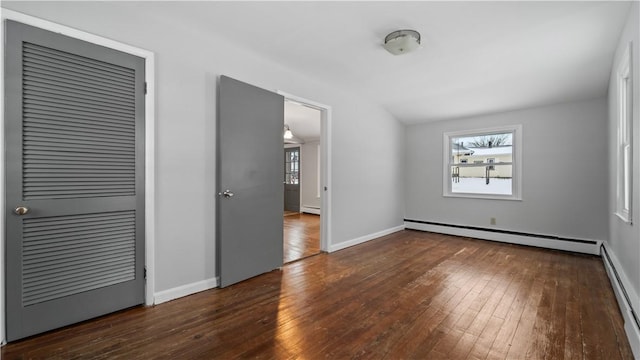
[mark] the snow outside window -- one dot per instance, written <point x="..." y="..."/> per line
<point x="483" y="163"/>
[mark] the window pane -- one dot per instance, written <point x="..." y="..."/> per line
<point x="482" y="179"/>
<point x="626" y="177"/>
<point x="292" y="167"/>
<point x="464" y="145"/>
<point x="475" y="163"/>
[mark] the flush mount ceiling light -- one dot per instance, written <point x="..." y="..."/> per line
<point x="402" y="41"/>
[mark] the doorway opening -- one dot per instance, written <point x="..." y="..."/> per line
<point x="304" y="178"/>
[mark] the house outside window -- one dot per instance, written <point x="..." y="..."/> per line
<point x="483" y="163"/>
<point x="491" y="161"/>
<point x="624" y="161"/>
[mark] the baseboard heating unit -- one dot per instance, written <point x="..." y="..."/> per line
<point x="508" y="236"/>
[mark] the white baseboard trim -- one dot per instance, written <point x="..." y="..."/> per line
<point x="310" y="210"/>
<point x="557" y="244"/>
<point x="184" y="290"/>
<point x="626" y="297"/>
<point x="362" y="239"/>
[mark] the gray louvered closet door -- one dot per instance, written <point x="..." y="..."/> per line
<point x="74" y="128"/>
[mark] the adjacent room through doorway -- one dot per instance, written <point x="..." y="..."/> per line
<point x="302" y="181"/>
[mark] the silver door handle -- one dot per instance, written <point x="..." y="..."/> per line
<point x="227" y="193"/>
<point x="21" y="210"/>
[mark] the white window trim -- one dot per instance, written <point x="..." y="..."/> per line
<point x="516" y="190"/>
<point x="624" y="139"/>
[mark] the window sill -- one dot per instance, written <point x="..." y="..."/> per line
<point x="483" y="196"/>
<point x="624" y="218"/>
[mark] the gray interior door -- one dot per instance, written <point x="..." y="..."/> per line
<point x="249" y="207"/>
<point x="292" y="179"/>
<point x="74" y="127"/>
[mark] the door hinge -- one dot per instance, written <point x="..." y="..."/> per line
<point x="145" y="88"/>
<point x="145" y="273"/>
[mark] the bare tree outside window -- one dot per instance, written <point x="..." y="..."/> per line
<point x="488" y="141"/>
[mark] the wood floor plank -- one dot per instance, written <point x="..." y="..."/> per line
<point x="408" y="295"/>
<point x="573" y="324"/>
<point x="301" y="233"/>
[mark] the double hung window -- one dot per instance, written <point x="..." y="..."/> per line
<point x="483" y="163"/>
<point x="624" y="139"/>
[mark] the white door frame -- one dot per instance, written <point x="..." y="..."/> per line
<point x="325" y="165"/>
<point x="149" y="147"/>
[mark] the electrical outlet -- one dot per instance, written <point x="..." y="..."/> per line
<point x="492" y="221"/>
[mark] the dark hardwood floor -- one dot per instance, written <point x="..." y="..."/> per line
<point x="409" y="295"/>
<point x="301" y="236"/>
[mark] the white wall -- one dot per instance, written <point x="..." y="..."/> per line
<point x="624" y="240"/>
<point x="309" y="174"/>
<point x="367" y="194"/>
<point x="564" y="173"/>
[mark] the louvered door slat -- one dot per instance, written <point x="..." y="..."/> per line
<point x="69" y="227"/>
<point x="69" y="121"/>
<point x="74" y="172"/>
<point x="73" y="58"/>
<point x="75" y="149"/>
<point x="82" y="116"/>
<point x="57" y="127"/>
<point x="74" y="251"/>
<point x="39" y="140"/>
<point x="68" y="194"/>
<point x="111" y="260"/>
<point x="57" y="91"/>
<point x="40" y="84"/>
<point x="56" y="243"/>
<point x="70" y="254"/>
<point x="79" y="138"/>
<point x="44" y="77"/>
<point x="75" y="165"/>
<point x="42" y="58"/>
<point x="88" y="227"/>
<point x="62" y="96"/>
<point x="69" y="78"/>
<point x="87" y="151"/>
<point x="64" y="144"/>
<point x="45" y="242"/>
<point x="39" y="57"/>
<point x="56" y="155"/>
<point x="39" y="160"/>
<point x="89" y="178"/>
<point x="65" y="68"/>
<point x="62" y="104"/>
<point x="82" y="182"/>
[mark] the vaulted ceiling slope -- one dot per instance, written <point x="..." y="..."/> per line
<point x="476" y="57"/>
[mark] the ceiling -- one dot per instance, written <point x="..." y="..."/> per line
<point x="476" y="57"/>
<point x="303" y="121"/>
